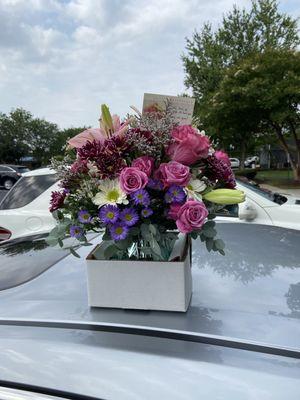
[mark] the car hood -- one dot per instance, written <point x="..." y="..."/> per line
<point x="251" y="294"/>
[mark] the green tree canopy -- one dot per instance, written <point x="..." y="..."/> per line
<point x="211" y="53"/>
<point x="261" y="96"/>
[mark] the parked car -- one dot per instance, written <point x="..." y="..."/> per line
<point x="264" y="207"/>
<point x="25" y="208"/>
<point x="240" y="338"/>
<point x="9" y="174"/>
<point x="251" y="161"/>
<point x="234" y="162"/>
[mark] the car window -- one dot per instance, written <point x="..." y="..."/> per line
<point x="4" y="169"/>
<point x="26" y="190"/>
<point x="22" y="169"/>
<point x="25" y="258"/>
<point x="229" y="211"/>
<point x="267" y="194"/>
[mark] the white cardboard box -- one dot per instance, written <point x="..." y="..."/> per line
<point x="145" y="285"/>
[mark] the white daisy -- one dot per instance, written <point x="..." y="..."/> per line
<point x="110" y="193"/>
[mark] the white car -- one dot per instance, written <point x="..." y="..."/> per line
<point x="234" y="162"/>
<point x="25" y="209"/>
<point x="264" y="207"/>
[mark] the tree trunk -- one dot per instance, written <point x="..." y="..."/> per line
<point x="296" y="171"/>
<point x="295" y="165"/>
<point x="243" y="155"/>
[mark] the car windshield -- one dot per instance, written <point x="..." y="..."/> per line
<point x="20" y="259"/>
<point x="26" y="190"/>
<point x="22" y="170"/>
<point x="267" y="194"/>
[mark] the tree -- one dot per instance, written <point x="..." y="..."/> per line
<point x="210" y="54"/>
<point x="23" y="135"/>
<point x="261" y="96"/>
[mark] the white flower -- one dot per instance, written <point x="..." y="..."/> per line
<point x="110" y="193"/>
<point x="194" y="188"/>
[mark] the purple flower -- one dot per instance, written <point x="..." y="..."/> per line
<point x="146" y="212"/>
<point x="84" y="217"/>
<point x="175" y="194"/>
<point x="76" y="231"/>
<point x="118" y="231"/>
<point x="219" y="170"/>
<point x="129" y="216"/>
<point x="109" y="214"/>
<point x="155" y="184"/>
<point x="57" y="200"/>
<point x="141" y="197"/>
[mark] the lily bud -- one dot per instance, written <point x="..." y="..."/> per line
<point x="225" y="196"/>
<point x="106" y="120"/>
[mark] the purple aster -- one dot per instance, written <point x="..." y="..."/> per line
<point x="146" y="212"/>
<point x="175" y="194"/>
<point x="155" y="184"/>
<point x="118" y="231"/>
<point x="84" y="217"/>
<point x="129" y="216"/>
<point x="141" y="197"/>
<point x="109" y="214"/>
<point x="76" y="231"/>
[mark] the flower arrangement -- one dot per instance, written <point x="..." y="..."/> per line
<point x="141" y="181"/>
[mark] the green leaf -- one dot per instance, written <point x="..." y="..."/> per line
<point x="106" y="236"/>
<point x="146" y="234"/>
<point x="211" y="216"/>
<point x="209" y="244"/>
<point x="209" y="224"/>
<point x="156" y="248"/>
<point x="123" y="244"/>
<point x="52" y="241"/>
<point x="60" y="242"/>
<point x="194" y="235"/>
<point x="222" y="252"/>
<point x="110" y="251"/>
<point x="134" y="231"/>
<point x="210" y="232"/>
<point x="75" y="254"/>
<point x="152" y="229"/>
<point x="219" y="244"/>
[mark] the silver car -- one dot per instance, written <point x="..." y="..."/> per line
<point x="240" y="338"/>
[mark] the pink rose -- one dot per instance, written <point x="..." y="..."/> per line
<point x="189" y="145"/>
<point x="221" y="155"/>
<point x="173" y="211"/>
<point x="132" y="179"/>
<point x="191" y="216"/>
<point x="144" y="163"/>
<point x="173" y="173"/>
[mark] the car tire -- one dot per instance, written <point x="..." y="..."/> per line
<point x="8" y="183"/>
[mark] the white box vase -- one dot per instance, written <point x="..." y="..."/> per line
<point x="144" y="285"/>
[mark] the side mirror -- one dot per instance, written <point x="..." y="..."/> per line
<point x="248" y="212"/>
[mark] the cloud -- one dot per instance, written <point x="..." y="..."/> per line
<point x="62" y="59"/>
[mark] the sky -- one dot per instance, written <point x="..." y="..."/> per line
<point x="61" y="59"/>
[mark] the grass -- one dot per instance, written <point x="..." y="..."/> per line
<point x="281" y="178"/>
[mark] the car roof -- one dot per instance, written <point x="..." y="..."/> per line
<point x="40" y="171"/>
<point x="250" y="295"/>
<point x="13" y="166"/>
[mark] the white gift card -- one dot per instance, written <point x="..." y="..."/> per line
<point x="183" y="106"/>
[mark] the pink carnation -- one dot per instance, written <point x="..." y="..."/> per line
<point x="173" y="173"/>
<point x="221" y="155"/>
<point x="132" y="179"/>
<point x="191" y="216"/>
<point x="144" y="163"/>
<point x="189" y="145"/>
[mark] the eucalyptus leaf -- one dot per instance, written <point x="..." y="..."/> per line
<point x="219" y="244"/>
<point x="209" y="244"/>
<point x="110" y="251"/>
<point x="74" y="253"/>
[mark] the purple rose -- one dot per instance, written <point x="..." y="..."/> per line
<point x="132" y="179"/>
<point x="173" y="173"/>
<point x="144" y="163"/>
<point x="191" y="216"/>
<point x="173" y="211"/>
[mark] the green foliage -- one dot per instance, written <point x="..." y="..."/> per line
<point x="210" y="54"/>
<point x="23" y="135"/>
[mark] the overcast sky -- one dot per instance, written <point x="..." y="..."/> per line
<point x="60" y="59"/>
